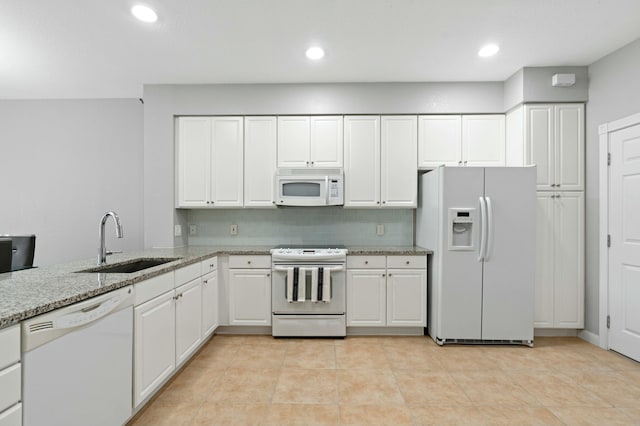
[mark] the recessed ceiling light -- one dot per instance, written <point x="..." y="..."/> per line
<point x="315" y="53"/>
<point x="488" y="50"/>
<point x="144" y="13"/>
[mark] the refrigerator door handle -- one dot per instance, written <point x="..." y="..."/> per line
<point x="487" y="248"/>
<point x="483" y="229"/>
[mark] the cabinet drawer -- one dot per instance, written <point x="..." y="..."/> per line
<point x="9" y="346"/>
<point x="250" y="262"/>
<point x="187" y="273"/>
<point x="12" y="417"/>
<point x="148" y="289"/>
<point x="208" y="265"/>
<point x="365" y="262"/>
<point x="10" y="386"/>
<point x="407" y="262"/>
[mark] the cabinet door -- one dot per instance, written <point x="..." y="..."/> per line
<point x="249" y="297"/>
<point x="188" y="319"/>
<point x="439" y="141"/>
<point x="326" y="149"/>
<point x="293" y="142"/>
<point x="399" y="161"/>
<point x="194" y="168"/>
<point x="569" y="260"/>
<point x="226" y="162"/>
<point x="11" y="416"/>
<point x="154" y="344"/>
<point x="539" y="144"/>
<point x="366" y="297"/>
<point x="569" y="147"/>
<point x="407" y="297"/>
<point x="209" y="303"/>
<point x="362" y="161"/>
<point x="545" y="243"/>
<point x="483" y="140"/>
<point x="259" y="161"/>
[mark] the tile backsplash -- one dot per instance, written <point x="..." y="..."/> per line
<point x="302" y="225"/>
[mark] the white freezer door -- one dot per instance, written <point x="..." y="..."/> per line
<point x="459" y="294"/>
<point x="509" y="265"/>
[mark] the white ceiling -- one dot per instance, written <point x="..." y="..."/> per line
<point x="97" y="49"/>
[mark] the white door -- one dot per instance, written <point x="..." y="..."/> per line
<point x="154" y="344"/>
<point x="249" y="297"/>
<point x="188" y="319"/>
<point x="624" y="254"/>
<point x="539" y="143"/>
<point x="545" y="259"/>
<point x="362" y="161"/>
<point x="209" y="303"/>
<point x="399" y="161"/>
<point x="366" y="297"/>
<point x="569" y="259"/>
<point x="509" y="265"/>
<point x="293" y="142"/>
<point x="227" y="173"/>
<point x="326" y="149"/>
<point x="407" y="298"/>
<point x="483" y="140"/>
<point x="569" y="147"/>
<point x="439" y="141"/>
<point x="259" y="161"/>
<point x="194" y="167"/>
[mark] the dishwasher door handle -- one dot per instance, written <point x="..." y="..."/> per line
<point x="87" y="315"/>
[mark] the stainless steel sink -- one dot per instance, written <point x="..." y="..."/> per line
<point x="129" y="266"/>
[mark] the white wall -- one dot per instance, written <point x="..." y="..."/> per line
<point x="163" y="102"/>
<point x="614" y="92"/>
<point x="63" y="164"/>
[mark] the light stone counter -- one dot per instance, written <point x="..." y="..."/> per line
<point x="25" y="294"/>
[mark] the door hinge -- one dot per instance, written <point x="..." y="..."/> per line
<point x="609" y="240"/>
<point x="608" y="158"/>
<point x="608" y="321"/>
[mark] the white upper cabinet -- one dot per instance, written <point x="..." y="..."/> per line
<point x="440" y="140"/>
<point x="554" y="142"/>
<point x="398" y="152"/>
<point x="310" y="141"/>
<point x="483" y="140"/>
<point x="380" y="161"/>
<point x="259" y="161"/>
<point x="362" y="161"/>
<point x="455" y="140"/>
<point x="210" y="161"/>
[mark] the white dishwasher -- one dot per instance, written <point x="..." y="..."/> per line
<point x="77" y="363"/>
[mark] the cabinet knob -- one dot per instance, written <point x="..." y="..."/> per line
<point x="389" y="274"/>
<point x="312" y="163"/>
<point x="465" y="162"/>
<point x="205" y="281"/>
<point x="558" y="196"/>
<point x="273" y="202"/>
<point x="384" y="202"/>
<point x="268" y="275"/>
<point x="211" y="265"/>
<point x="377" y="202"/>
<point x="460" y="163"/>
<point x="383" y="275"/>
<point x="366" y="262"/>
<point x="248" y="262"/>
<point x="407" y="262"/>
<point x="307" y="163"/>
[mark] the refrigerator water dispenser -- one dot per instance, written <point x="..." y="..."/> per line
<point x="461" y="229"/>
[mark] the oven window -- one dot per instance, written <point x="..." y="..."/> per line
<point x="301" y="189"/>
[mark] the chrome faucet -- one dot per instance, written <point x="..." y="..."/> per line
<point x="102" y="251"/>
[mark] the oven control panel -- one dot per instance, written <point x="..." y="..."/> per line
<point x="308" y="253"/>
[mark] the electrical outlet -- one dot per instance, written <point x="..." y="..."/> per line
<point x="233" y="229"/>
<point x="380" y="230"/>
<point x="193" y="229"/>
<point x="177" y="231"/>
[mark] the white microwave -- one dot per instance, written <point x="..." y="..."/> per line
<point x="309" y="187"/>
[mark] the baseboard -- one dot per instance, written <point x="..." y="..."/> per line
<point x="555" y="332"/>
<point x="590" y="337"/>
<point x="385" y="331"/>
<point x="244" y="329"/>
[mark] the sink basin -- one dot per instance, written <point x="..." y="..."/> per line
<point x="130" y="266"/>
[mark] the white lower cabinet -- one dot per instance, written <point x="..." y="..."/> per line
<point x="10" y="377"/>
<point x="250" y="296"/>
<point x="210" y="311"/>
<point x="11" y="416"/>
<point x="188" y="299"/>
<point x="154" y="344"/>
<point x="386" y="291"/>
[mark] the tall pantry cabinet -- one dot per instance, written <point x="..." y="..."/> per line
<point x="551" y="136"/>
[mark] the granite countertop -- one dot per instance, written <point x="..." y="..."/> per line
<point x="27" y="293"/>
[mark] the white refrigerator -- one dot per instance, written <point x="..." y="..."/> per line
<point x="480" y="224"/>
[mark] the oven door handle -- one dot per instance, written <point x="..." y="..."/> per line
<point x="285" y="268"/>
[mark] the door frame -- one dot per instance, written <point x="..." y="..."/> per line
<point x="603" y="131"/>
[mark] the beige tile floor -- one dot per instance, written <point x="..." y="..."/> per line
<point x="259" y="380"/>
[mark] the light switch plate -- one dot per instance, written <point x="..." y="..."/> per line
<point x="233" y="229"/>
<point x="193" y="229"/>
<point x="380" y="230"/>
<point x="177" y="231"/>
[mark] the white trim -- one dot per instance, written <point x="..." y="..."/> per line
<point x="590" y="337"/>
<point x="555" y="332"/>
<point x="604" y="130"/>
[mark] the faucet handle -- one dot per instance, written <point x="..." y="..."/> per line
<point x="112" y="252"/>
